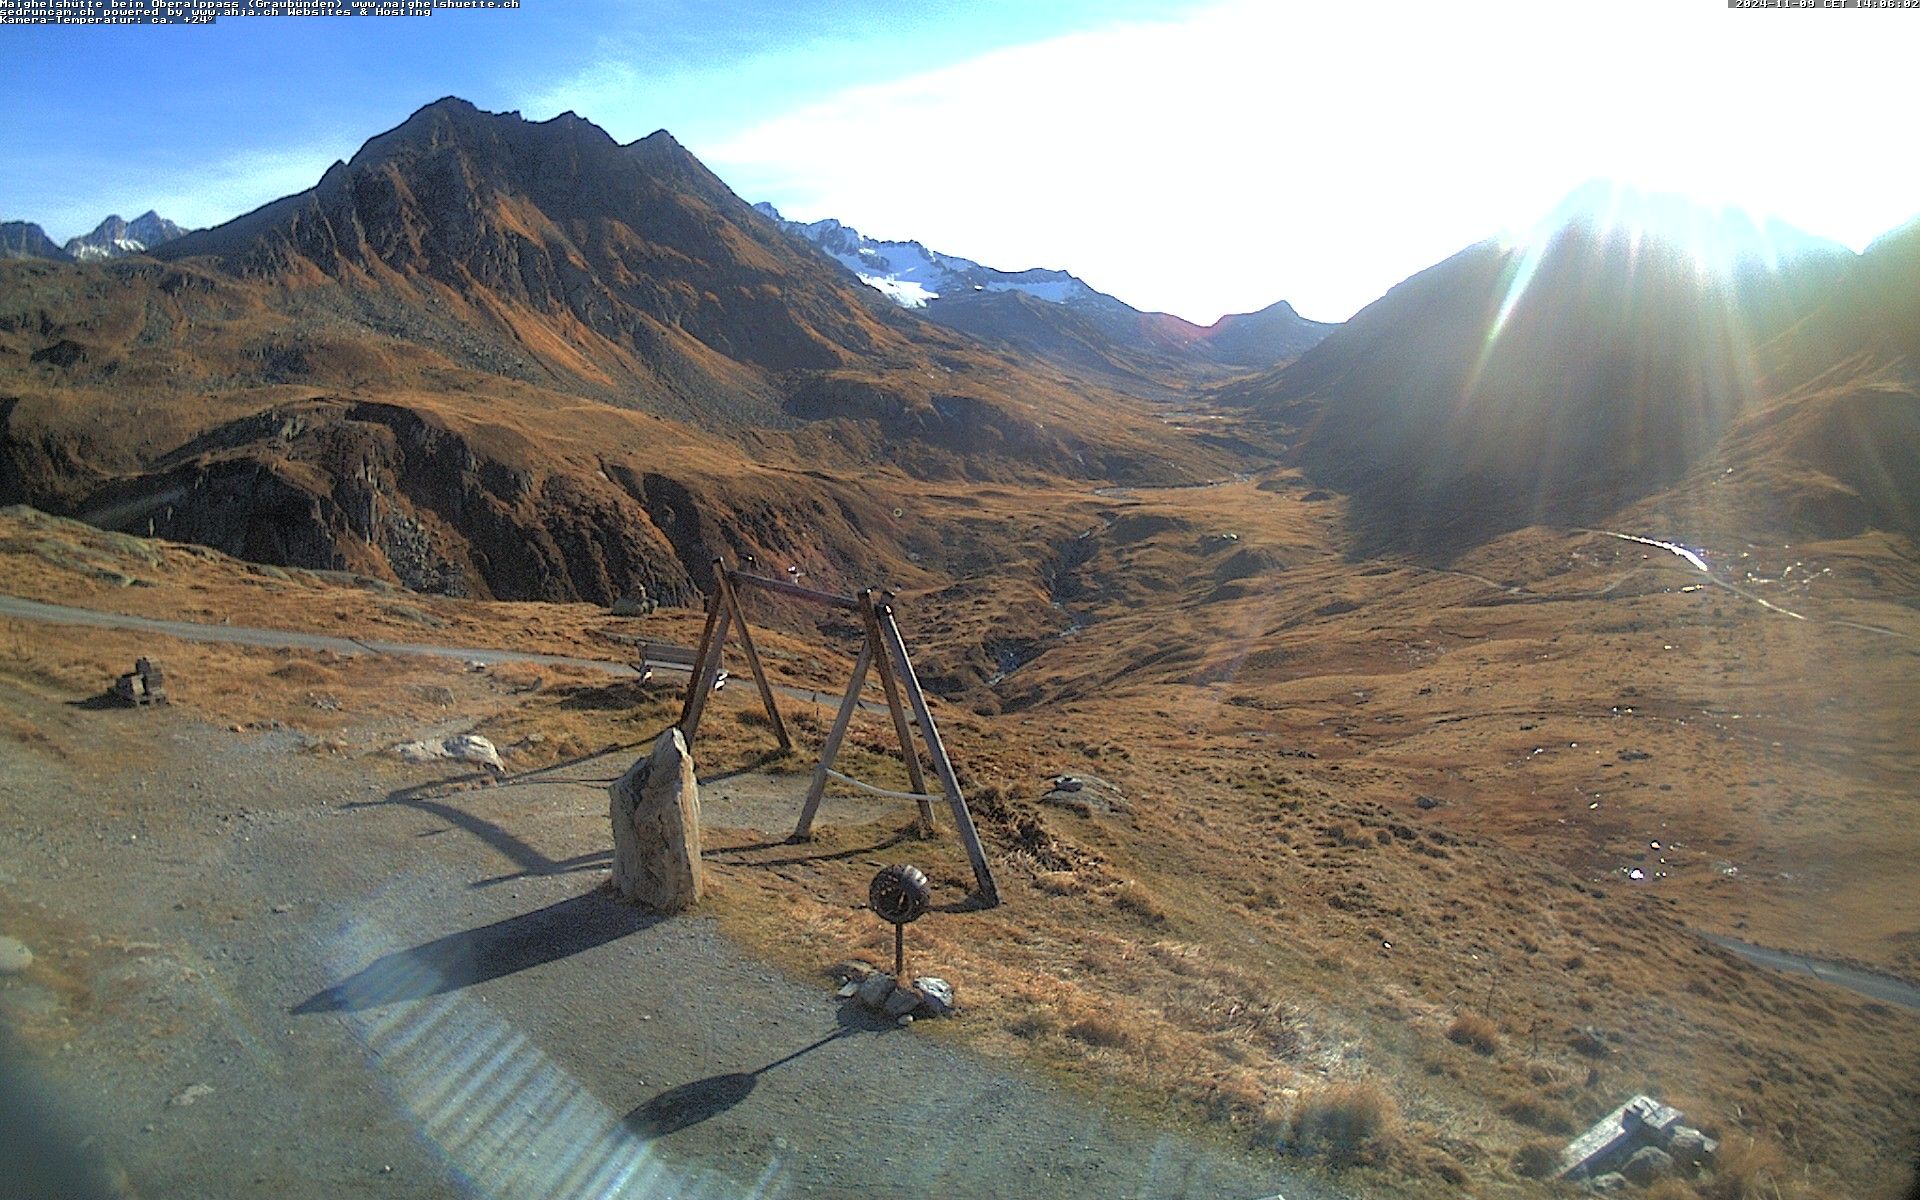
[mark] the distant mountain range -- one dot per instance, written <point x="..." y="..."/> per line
<point x="495" y="357"/>
<point x="114" y="237"/>
<point x="1053" y="314"/>
<point x="911" y="275"/>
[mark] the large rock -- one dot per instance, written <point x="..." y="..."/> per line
<point x="1647" y="1164"/>
<point x="655" y="810"/>
<point x="472" y="748"/>
<point x="14" y="956"/>
<point x="875" y="989"/>
<point x="936" y="995"/>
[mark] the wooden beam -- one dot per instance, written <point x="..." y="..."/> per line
<point x="700" y="683"/>
<point x="688" y="718"/>
<point x="741" y="578"/>
<point x="804" y="830"/>
<point x="883" y="661"/>
<point x="989" y="895"/>
<point x="753" y="662"/>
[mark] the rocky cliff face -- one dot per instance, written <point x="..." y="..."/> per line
<point x="24" y="239"/>
<point x="495" y="357"/>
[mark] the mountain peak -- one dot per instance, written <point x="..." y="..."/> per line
<point x="117" y="237"/>
<point x="24" y="239"/>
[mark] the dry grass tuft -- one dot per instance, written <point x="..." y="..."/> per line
<point x="1541" y="1112"/>
<point x="1103" y="1031"/>
<point x="1472" y="1029"/>
<point x="1353" y="1121"/>
<point x="1748" y="1169"/>
<point x="1537" y="1159"/>
<point x="1132" y="898"/>
<point x="1059" y="883"/>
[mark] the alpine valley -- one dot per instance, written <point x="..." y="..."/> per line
<point x="1453" y="675"/>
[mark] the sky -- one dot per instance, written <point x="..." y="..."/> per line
<point x="1197" y="157"/>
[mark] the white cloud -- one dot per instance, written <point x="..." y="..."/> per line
<point x="1255" y="152"/>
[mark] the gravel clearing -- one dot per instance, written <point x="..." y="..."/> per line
<point x="262" y="970"/>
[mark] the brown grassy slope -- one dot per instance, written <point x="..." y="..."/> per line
<point x="1556" y="382"/>
<point x="496" y="358"/>
<point x="1259" y="925"/>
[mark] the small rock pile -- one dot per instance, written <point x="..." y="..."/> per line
<point x="927" y="996"/>
<point x="1638" y="1143"/>
<point x="1087" y="795"/>
<point x="145" y="684"/>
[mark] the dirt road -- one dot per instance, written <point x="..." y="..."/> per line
<point x="289" y="639"/>
<point x="262" y="970"/>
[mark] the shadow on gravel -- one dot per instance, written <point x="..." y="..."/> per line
<point x="489" y="952"/>
<point x="100" y="703"/>
<point x="761" y="763"/>
<point x="423" y="798"/>
<point x="689" y="1104"/>
<point x="885" y="843"/>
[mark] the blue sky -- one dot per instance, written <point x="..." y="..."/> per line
<point x="1198" y="158"/>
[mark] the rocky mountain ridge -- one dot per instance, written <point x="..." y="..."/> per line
<point x="1055" y="315"/>
<point x="495" y="357"/>
<point x="24" y="239"/>
<point x="114" y="237"/>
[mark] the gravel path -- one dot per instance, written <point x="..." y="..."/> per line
<point x="291" y="639"/>
<point x="261" y="970"/>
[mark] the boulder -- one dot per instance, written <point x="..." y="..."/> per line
<point x="634" y="604"/>
<point x="1607" y="1184"/>
<point x="655" y="810"/>
<point x="1691" y="1148"/>
<point x="1647" y="1164"/>
<point x="1087" y="795"/>
<point x="417" y="752"/>
<point x="14" y="956"/>
<point x="903" y="1001"/>
<point x="875" y="989"/>
<point x="472" y="748"/>
<point x="936" y="996"/>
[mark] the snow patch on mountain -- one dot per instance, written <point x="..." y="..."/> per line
<point x="116" y="237"/>
<point x="911" y="275"/>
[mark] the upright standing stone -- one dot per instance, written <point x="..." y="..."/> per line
<point x="655" y="809"/>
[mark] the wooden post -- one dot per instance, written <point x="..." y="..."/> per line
<point x="688" y="717"/>
<point x="753" y="661"/>
<point x="883" y="662"/>
<point x="818" y="788"/>
<point x="963" y="820"/>
<point x="705" y="672"/>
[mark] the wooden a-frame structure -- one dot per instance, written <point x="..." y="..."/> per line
<point x="882" y="650"/>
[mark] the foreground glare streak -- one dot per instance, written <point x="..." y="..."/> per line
<point x="503" y="1115"/>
